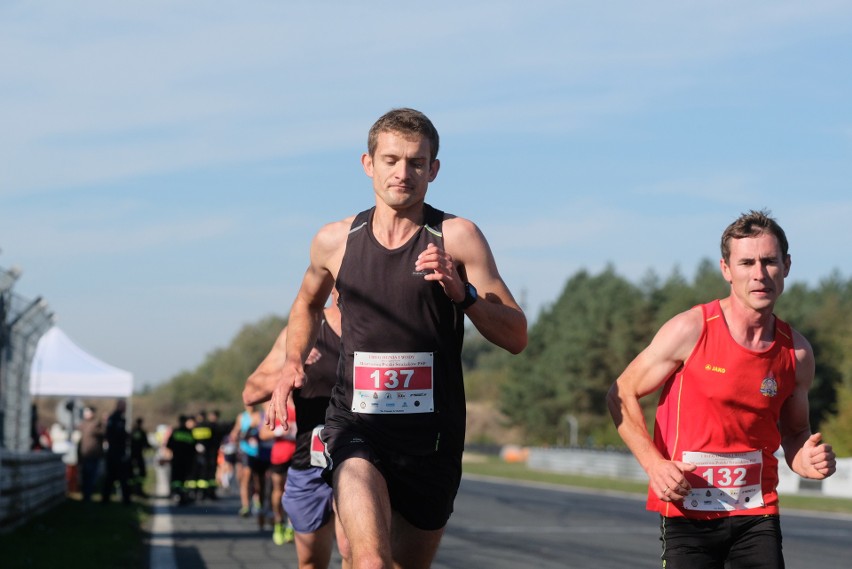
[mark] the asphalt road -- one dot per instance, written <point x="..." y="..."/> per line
<point x="509" y="526"/>
<point x="496" y="525"/>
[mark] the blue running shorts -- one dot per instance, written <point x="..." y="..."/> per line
<point x="307" y="499"/>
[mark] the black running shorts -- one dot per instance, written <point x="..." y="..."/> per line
<point x="732" y="542"/>
<point x="422" y="488"/>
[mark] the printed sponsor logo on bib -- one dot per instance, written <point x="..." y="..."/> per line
<point x="724" y="482"/>
<point x="318" y="448"/>
<point x="393" y="383"/>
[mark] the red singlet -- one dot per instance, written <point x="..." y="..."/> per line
<point x="721" y="408"/>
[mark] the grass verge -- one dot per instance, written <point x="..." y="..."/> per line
<point x="79" y="534"/>
<point x="494" y="466"/>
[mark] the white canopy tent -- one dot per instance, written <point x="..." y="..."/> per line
<point x="61" y="368"/>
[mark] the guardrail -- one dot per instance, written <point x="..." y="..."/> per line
<point x="587" y="462"/>
<point x="30" y="484"/>
<point x="623" y="465"/>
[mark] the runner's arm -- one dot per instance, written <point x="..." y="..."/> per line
<point x="496" y="314"/>
<point x="647" y="373"/>
<point x="261" y="383"/>
<point x="806" y="455"/>
<point x="306" y="314"/>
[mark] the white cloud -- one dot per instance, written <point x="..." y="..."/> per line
<point x="733" y="189"/>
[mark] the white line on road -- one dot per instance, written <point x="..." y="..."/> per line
<point x="162" y="540"/>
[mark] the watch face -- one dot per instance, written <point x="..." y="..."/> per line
<point x="469" y="296"/>
<point x="470" y="290"/>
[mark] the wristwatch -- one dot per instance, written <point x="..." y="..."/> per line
<point x="470" y="296"/>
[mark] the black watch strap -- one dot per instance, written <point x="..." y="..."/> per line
<point x="470" y="296"/>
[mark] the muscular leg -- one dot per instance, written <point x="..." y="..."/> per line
<point x="413" y="548"/>
<point x="373" y="535"/>
<point x="342" y="542"/>
<point x="363" y="505"/>
<point x="314" y="549"/>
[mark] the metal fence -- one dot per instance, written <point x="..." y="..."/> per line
<point x="30" y="482"/>
<point x="22" y="322"/>
<point x="623" y="466"/>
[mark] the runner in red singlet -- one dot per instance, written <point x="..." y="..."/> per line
<point x="734" y="381"/>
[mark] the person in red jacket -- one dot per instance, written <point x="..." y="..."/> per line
<point x="734" y="383"/>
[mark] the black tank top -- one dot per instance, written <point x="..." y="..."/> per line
<point x="388" y="307"/>
<point x="311" y="400"/>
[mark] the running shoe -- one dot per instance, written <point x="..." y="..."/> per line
<point x="245" y="512"/>
<point x="289" y="534"/>
<point x="279" y="534"/>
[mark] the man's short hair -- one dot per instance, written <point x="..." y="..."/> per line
<point x="408" y="123"/>
<point x="752" y="224"/>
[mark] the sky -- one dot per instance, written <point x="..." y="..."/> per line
<point x="165" y="165"/>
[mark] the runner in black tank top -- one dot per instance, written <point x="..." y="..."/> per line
<point x="307" y="499"/>
<point x="415" y="316"/>
<point x="312" y="399"/>
<point x="395" y="427"/>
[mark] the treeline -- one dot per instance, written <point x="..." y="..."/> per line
<point x="577" y="347"/>
<point x="217" y="383"/>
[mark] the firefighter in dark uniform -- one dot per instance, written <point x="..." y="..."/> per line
<point x="204" y="439"/>
<point x="218" y="430"/>
<point x="182" y="447"/>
